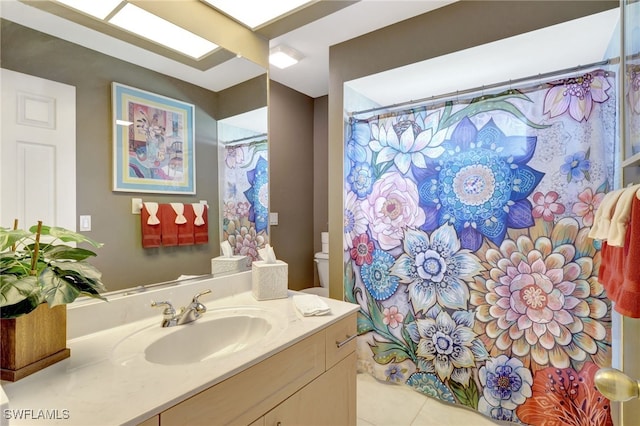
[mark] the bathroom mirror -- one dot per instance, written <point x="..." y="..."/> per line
<point x="244" y="186"/>
<point x="233" y="80"/>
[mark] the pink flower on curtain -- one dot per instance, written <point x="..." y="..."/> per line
<point x="392" y="317"/>
<point x="243" y="208"/>
<point x="391" y="207"/>
<point x="229" y="209"/>
<point x="588" y="205"/>
<point x="546" y="206"/>
<point x="362" y="250"/>
<point x="234" y="156"/>
<point x="577" y="95"/>
<point x="540" y="300"/>
<point x="566" y="397"/>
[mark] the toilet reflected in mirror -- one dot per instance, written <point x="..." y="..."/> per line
<point x="322" y="265"/>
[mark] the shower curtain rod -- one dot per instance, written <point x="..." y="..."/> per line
<point x="237" y="141"/>
<point x="488" y="87"/>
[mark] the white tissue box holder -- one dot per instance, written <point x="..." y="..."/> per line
<point x="269" y="280"/>
<point x="229" y="265"/>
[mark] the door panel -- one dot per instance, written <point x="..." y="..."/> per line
<point x="37" y="155"/>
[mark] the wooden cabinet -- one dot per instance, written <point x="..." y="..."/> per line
<point x="311" y="382"/>
<point x="328" y="400"/>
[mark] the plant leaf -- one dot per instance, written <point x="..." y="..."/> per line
<point x="467" y="395"/>
<point x="385" y="352"/>
<point x="9" y="237"/>
<point x="364" y="323"/>
<point x="62" y="251"/>
<point x="14" y="289"/>
<point x="20" y="308"/>
<point x="65" y="235"/>
<point x="56" y="290"/>
<point x="349" y="283"/>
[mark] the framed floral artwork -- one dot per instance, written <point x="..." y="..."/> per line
<point x="153" y="142"/>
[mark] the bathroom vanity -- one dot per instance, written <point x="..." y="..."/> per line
<point x="243" y="362"/>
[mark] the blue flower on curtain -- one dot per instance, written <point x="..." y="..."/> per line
<point x="257" y="194"/>
<point x="436" y="269"/>
<point x="430" y="385"/>
<point x="576" y="166"/>
<point x="507" y="384"/>
<point x="480" y="185"/>
<point x="449" y="345"/>
<point x="395" y="373"/>
<point x="358" y="142"/>
<point x="408" y="142"/>
<point x="376" y="277"/>
<point x="360" y="178"/>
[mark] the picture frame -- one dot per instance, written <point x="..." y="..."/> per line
<point x="153" y="142"/>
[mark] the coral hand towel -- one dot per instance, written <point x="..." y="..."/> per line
<point x="150" y="225"/>
<point x="201" y="229"/>
<point x="169" y="225"/>
<point x="186" y="230"/>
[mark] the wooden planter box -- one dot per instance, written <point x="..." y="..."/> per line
<point x="32" y="342"/>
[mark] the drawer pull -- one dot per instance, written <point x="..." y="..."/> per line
<point x="345" y="341"/>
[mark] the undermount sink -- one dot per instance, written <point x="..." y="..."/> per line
<point x="220" y="332"/>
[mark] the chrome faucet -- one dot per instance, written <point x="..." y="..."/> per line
<point x="186" y="315"/>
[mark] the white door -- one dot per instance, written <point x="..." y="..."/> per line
<point x="37" y="152"/>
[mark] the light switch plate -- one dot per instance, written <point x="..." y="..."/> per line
<point x="85" y="223"/>
<point x="273" y="218"/>
<point x="136" y="205"/>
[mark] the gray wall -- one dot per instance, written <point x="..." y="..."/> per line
<point x="459" y="26"/>
<point x="291" y="168"/>
<point x="122" y="260"/>
<point x="320" y="173"/>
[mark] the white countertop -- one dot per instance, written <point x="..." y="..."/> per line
<point x="92" y="387"/>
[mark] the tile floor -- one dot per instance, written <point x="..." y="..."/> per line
<point x="383" y="404"/>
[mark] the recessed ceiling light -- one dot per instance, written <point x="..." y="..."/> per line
<point x="284" y="56"/>
<point x="99" y="9"/>
<point x="152" y="27"/>
<point x="254" y="13"/>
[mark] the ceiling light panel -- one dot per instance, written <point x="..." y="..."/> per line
<point x="97" y="8"/>
<point x="153" y="28"/>
<point x="254" y="13"/>
<point x="284" y="56"/>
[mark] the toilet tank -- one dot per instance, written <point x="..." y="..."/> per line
<point x="322" y="262"/>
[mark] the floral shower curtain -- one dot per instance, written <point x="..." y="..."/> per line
<point x="465" y="244"/>
<point x="245" y="198"/>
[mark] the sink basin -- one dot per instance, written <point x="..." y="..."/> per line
<point x="220" y="332"/>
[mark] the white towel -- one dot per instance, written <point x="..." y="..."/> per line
<point x="152" y="208"/>
<point x="198" y="210"/>
<point x="310" y="304"/>
<point x="179" y="209"/>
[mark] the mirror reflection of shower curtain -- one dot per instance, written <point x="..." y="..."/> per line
<point x="465" y="244"/>
<point x="244" y="196"/>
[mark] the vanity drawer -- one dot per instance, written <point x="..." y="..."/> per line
<point x="245" y="397"/>
<point x="340" y="339"/>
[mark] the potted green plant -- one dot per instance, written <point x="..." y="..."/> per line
<point x="39" y="275"/>
<point x="33" y="271"/>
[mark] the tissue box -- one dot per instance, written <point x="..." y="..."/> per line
<point x="229" y="265"/>
<point x="269" y="280"/>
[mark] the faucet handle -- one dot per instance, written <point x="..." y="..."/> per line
<point x="168" y="311"/>
<point x="199" y="307"/>
<point x="195" y="298"/>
